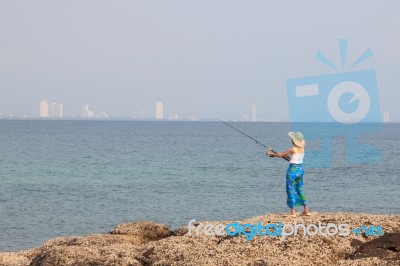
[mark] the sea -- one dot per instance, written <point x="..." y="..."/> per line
<point x="65" y="178"/>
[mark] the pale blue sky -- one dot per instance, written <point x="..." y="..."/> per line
<point x="209" y="58"/>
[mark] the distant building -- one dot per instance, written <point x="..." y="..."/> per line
<point x="253" y="117"/>
<point x="245" y="118"/>
<point x="102" y="114"/>
<point x="86" y="112"/>
<point x="50" y="109"/>
<point x="142" y="115"/>
<point x="159" y="110"/>
<point x="193" y="118"/>
<point x="385" y="117"/>
<point x="44" y="108"/>
<point x="55" y="110"/>
<point x="173" y="117"/>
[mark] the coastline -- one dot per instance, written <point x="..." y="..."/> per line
<point x="150" y="243"/>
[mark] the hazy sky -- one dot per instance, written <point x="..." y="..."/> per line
<point x="209" y="58"/>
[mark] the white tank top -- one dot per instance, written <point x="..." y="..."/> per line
<point x="297" y="158"/>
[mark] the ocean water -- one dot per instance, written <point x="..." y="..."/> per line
<point x="61" y="178"/>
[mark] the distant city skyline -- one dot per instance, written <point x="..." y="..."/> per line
<point x="55" y="110"/>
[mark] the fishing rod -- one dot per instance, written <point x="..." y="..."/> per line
<point x="287" y="159"/>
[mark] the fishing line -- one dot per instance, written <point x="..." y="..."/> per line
<point x="287" y="159"/>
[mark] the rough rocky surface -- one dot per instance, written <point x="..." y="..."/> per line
<point x="149" y="243"/>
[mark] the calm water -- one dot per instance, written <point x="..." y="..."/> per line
<point x="78" y="177"/>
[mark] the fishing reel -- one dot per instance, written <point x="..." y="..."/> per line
<point x="271" y="150"/>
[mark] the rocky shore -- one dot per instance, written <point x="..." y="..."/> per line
<point x="149" y="243"/>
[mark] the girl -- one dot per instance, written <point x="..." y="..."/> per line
<point x="294" y="174"/>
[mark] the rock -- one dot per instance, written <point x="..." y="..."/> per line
<point x="384" y="247"/>
<point x="75" y="255"/>
<point x="14" y="259"/>
<point x="115" y="248"/>
<point x="142" y="232"/>
<point x="181" y="231"/>
<point x="149" y="243"/>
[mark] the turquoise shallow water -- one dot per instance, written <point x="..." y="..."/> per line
<point x="78" y="177"/>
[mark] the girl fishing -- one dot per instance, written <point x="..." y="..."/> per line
<point x="294" y="174"/>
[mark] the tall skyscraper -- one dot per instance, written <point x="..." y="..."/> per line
<point x="253" y="113"/>
<point x="86" y="112"/>
<point x="55" y="110"/>
<point x="159" y="110"/>
<point x="50" y="109"/>
<point x="385" y="117"/>
<point x="44" y="108"/>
